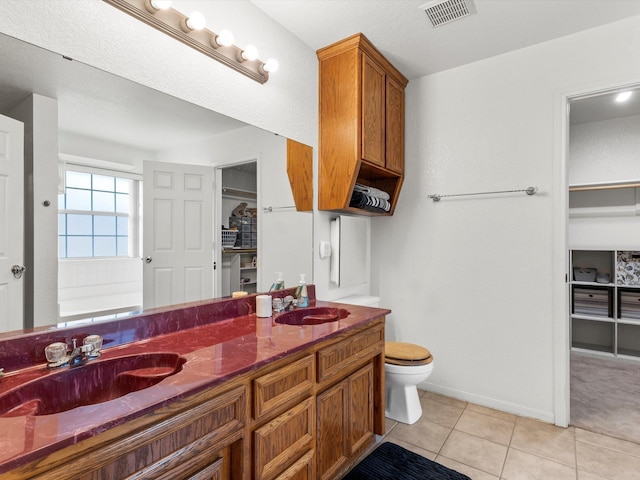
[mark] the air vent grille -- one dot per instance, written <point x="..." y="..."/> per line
<point x="446" y="11"/>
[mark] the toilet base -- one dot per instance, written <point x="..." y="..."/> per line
<point x="403" y="404"/>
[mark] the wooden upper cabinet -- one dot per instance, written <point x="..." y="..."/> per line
<point x="300" y="173"/>
<point x="373" y="118"/>
<point x="361" y="123"/>
<point x="394" y="138"/>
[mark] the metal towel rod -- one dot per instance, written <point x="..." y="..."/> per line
<point x="273" y="209"/>
<point x="529" y="191"/>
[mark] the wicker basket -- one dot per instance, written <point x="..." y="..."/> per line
<point x="229" y="238"/>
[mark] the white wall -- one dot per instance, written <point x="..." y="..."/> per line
<point x="98" y="285"/>
<point x="480" y="280"/>
<point x="605" y="151"/>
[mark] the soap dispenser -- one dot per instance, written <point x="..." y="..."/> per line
<point x="278" y="284"/>
<point x="301" y="292"/>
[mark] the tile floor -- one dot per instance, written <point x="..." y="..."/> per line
<point x="487" y="444"/>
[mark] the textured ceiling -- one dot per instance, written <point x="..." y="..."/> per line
<point x="401" y="30"/>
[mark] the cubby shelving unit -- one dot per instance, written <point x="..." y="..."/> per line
<point x="605" y="317"/>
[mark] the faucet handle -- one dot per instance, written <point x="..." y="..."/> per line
<point x="93" y="344"/>
<point x="55" y="352"/>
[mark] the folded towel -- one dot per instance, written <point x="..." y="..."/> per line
<point x="371" y="191"/>
<point x="366" y="202"/>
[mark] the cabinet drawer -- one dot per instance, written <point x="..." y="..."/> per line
<point x="629" y="304"/>
<point x="337" y="359"/>
<point x="286" y="385"/>
<point x="281" y="443"/>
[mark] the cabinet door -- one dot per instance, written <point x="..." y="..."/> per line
<point x="373" y="115"/>
<point x="360" y="409"/>
<point x="212" y="472"/>
<point x="283" y="441"/>
<point x="333" y="419"/>
<point x="394" y="127"/>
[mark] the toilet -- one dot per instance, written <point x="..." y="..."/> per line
<point x="406" y="365"/>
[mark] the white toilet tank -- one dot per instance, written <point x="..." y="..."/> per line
<point x="362" y="300"/>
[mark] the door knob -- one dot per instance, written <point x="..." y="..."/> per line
<point x="148" y="259"/>
<point x="18" y="270"/>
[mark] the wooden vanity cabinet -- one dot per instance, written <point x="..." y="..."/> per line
<point x="361" y="124"/>
<point x="351" y="405"/>
<point x="194" y="439"/>
<point x="308" y="416"/>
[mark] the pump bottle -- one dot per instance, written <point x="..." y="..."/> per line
<point x="301" y="292"/>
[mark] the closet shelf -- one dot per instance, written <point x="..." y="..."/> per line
<point x="604" y="186"/>
<point x="234" y="192"/>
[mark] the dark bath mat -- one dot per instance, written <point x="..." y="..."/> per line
<point x="392" y="462"/>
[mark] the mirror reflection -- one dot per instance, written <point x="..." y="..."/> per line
<point x="108" y="227"/>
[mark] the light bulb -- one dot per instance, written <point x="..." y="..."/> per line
<point x="196" y="21"/>
<point x="271" y="65"/>
<point x="250" y="53"/>
<point x="161" y="4"/>
<point x="224" y="38"/>
<point x="623" y="96"/>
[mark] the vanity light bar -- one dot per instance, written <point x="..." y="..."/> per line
<point x="179" y="26"/>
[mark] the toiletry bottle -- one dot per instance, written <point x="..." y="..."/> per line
<point x="301" y="292"/>
<point x="278" y="284"/>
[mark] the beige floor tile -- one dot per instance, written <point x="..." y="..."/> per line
<point x="388" y="425"/>
<point x="607" y="442"/>
<point x="526" y="466"/>
<point x="412" y="448"/>
<point x="475" y="452"/>
<point x="589" y="476"/>
<point x="510" y="417"/>
<point x="441" y="413"/>
<point x="545" y="440"/>
<point x="607" y="463"/>
<point x="423" y="434"/>
<point x="442" y="399"/>
<point x="484" y="426"/>
<point x="470" y="472"/>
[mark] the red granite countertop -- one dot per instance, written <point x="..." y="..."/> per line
<point x="231" y="341"/>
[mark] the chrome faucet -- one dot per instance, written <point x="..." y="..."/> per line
<point x="58" y="353"/>
<point x="79" y="354"/>
<point x="289" y="303"/>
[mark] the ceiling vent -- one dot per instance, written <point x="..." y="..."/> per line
<point x="446" y="11"/>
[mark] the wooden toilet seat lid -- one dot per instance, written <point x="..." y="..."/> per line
<point x="401" y="353"/>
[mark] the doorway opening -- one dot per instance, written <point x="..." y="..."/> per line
<point x="603" y="239"/>
<point x="237" y="219"/>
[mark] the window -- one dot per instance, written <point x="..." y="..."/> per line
<point x="97" y="215"/>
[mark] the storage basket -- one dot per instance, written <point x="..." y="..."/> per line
<point x="584" y="274"/>
<point x="229" y="238"/>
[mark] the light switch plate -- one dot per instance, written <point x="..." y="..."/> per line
<point x="325" y="249"/>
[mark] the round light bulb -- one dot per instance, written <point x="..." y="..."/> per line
<point x="250" y="53"/>
<point x="161" y="4"/>
<point x="196" y="21"/>
<point x="624" y="96"/>
<point x="271" y="65"/>
<point x="225" y="38"/>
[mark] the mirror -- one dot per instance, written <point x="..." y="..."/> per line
<point x="111" y="124"/>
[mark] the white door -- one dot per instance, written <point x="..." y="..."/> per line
<point x="11" y="223"/>
<point x="177" y="233"/>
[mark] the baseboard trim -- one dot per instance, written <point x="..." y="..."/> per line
<point x="488" y="402"/>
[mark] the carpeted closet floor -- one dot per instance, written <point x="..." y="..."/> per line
<point x="605" y="396"/>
